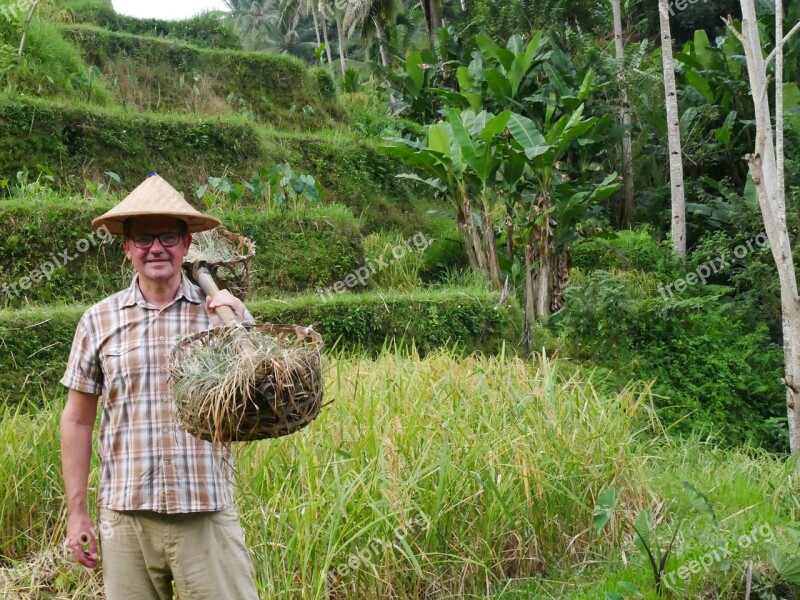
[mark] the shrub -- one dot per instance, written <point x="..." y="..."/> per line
<point x="714" y="370"/>
<point x="37" y="341"/>
<point x="626" y="250"/>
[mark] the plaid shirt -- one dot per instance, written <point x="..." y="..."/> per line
<point x="148" y="460"/>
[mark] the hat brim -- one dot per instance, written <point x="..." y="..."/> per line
<point x="114" y="224"/>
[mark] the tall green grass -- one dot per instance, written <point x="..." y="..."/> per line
<point x="492" y="464"/>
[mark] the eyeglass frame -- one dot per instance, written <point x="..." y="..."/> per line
<point x="155" y="236"/>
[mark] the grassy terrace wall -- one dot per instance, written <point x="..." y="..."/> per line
<point x="161" y="75"/>
<point x="294" y="252"/>
<point x="35" y="342"/>
<point x="78" y="142"/>
<point x="208" y="30"/>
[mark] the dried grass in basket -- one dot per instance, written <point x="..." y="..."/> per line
<point x="235" y="384"/>
<point x="227" y="256"/>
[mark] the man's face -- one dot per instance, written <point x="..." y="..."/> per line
<point x="157" y="262"/>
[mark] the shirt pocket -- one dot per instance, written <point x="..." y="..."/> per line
<point x="123" y="366"/>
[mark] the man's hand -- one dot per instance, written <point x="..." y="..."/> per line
<point x="82" y="539"/>
<point x="224" y="298"/>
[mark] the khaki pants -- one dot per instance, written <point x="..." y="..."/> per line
<point x="143" y="552"/>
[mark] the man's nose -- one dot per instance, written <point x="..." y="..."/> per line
<point x="157" y="248"/>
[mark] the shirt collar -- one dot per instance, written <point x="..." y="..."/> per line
<point x="186" y="290"/>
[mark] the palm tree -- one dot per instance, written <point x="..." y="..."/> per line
<point x="371" y="16"/>
<point x="253" y="19"/>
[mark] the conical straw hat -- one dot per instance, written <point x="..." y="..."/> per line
<point x="154" y="196"/>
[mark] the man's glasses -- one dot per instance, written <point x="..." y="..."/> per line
<point x="168" y="239"/>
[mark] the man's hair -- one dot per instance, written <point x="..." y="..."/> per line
<point x="127" y="227"/>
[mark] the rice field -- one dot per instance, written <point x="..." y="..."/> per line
<point x="442" y="477"/>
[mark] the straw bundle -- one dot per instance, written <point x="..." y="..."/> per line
<point x="228" y="256"/>
<point x="234" y="384"/>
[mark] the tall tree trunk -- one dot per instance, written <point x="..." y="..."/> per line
<point x="386" y="59"/>
<point x="432" y="19"/>
<point x="629" y="206"/>
<point x="510" y="231"/>
<point x="325" y="34"/>
<point x="492" y="264"/>
<point x="342" y="55"/>
<point x="765" y="172"/>
<point x="469" y="244"/>
<point x="674" y="136"/>
<point x="316" y="23"/>
<point x="530" y="311"/>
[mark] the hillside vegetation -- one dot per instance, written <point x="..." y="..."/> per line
<point x="531" y="390"/>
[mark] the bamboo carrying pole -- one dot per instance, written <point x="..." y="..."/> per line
<point x="202" y="275"/>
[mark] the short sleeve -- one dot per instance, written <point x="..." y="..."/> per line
<point x="83" y="368"/>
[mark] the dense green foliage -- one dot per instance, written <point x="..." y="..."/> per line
<point x="161" y="75"/>
<point x="36" y="341"/>
<point x="714" y="370"/>
<point x="74" y="142"/>
<point x="51" y="66"/>
<point x="58" y="138"/>
<point x="208" y="30"/>
<point x="295" y="252"/>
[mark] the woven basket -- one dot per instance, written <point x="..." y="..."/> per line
<point x="232" y="275"/>
<point x="269" y="409"/>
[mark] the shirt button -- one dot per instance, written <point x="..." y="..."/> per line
<point x="166" y="429"/>
<point x="161" y="338"/>
<point x="163" y="368"/>
<point x="166" y="462"/>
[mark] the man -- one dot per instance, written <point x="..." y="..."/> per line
<point x="165" y="498"/>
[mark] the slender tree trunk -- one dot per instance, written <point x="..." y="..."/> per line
<point x="386" y="59"/>
<point x="432" y="19"/>
<point x="474" y="236"/>
<point x="765" y="172"/>
<point x="469" y="246"/>
<point x="316" y="23"/>
<point x="325" y="35"/>
<point x="342" y="55"/>
<point x="560" y="279"/>
<point x="492" y="264"/>
<point x="530" y="294"/>
<point x="510" y="231"/>
<point x="436" y="19"/>
<point x="629" y="206"/>
<point x="674" y="136"/>
<point x="26" y="26"/>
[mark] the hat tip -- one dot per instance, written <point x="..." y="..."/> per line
<point x="151" y="174"/>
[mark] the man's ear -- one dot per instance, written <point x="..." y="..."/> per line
<point x="126" y="247"/>
<point x="188" y="240"/>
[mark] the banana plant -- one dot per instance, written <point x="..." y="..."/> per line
<point x="547" y="205"/>
<point x="461" y="158"/>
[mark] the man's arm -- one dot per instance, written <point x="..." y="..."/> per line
<point x="77" y="426"/>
